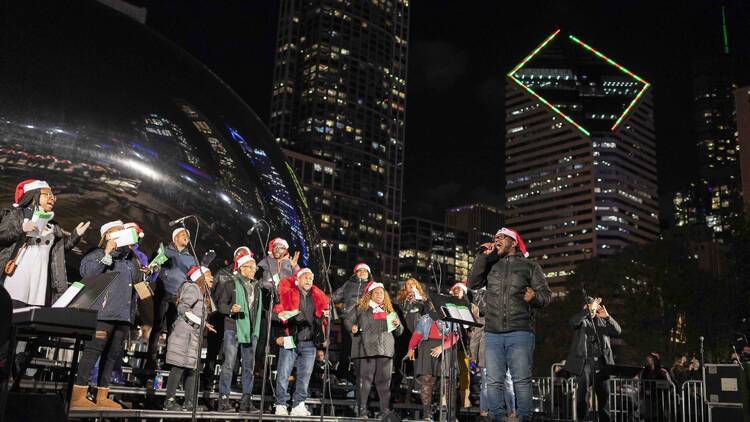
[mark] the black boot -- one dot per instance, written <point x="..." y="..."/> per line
<point x="224" y="405"/>
<point x="246" y="404"/>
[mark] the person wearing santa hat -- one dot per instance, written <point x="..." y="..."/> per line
<point x="516" y="287"/>
<point x="184" y="342"/>
<point x="214" y="340"/>
<point x="240" y="303"/>
<point x="374" y="350"/>
<point x="172" y="275"/>
<point x="115" y="315"/>
<point x="460" y="291"/>
<point x="303" y="310"/>
<point x="348" y="295"/>
<point x="33" y="246"/>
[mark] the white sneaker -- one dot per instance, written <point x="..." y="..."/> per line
<point x="300" y="410"/>
<point x="281" y="410"/>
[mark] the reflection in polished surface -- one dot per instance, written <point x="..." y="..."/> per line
<point x="125" y="125"/>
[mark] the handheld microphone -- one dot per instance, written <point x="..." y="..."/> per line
<point x="179" y="220"/>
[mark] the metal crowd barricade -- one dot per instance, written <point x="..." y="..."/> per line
<point x="642" y="400"/>
<point x="693" y="407"/>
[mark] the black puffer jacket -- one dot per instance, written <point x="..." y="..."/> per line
<point x="506" y="279"/>
<point x="349" y="294"/>
<point x="605" y="328"/>
<point x="12" y="237"/>
<point x="372" y="338"/>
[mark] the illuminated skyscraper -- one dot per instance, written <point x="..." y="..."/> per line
<point x="339" y="96"/>
<point x="580" y="155"/>
<point x="480" y="221"/>
<point x="425" y="244"/>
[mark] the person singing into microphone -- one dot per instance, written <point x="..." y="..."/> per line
<point x="590" y="353"/>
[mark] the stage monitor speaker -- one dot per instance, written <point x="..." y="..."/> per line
<point x="726" y="413"/>
<point x="725" y="384"/>
<point x="24" y="407"/>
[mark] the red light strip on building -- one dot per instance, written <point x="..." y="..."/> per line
<point x="646" y="85"/>
<point x="552" y="107"/>
<point x="533" y="53"/>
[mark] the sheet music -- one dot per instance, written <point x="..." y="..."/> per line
<point x="69" y="295"/>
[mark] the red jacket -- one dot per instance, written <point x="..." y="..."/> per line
<point x="289" y="299"/>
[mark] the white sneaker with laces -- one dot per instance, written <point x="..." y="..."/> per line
<point x="281" y="410"/>
<point x="300" y="410"/>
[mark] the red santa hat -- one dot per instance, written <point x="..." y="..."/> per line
<point x="242" y="250"/>
<point x="515" y="236"/>
<point x="196" y="273"/>
<point x="460" y="285"/>
<point x="373" y="285"/>
<point x="27" y="186"/>
<point x="300" y="272"/>
<point x="137" y="228"/>
<point x="362" y="266"/>
<point x="176" y="231"/>
<point x="277" y="242"/>
<point x="242" y="258"/>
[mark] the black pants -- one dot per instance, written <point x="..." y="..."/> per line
<point x="346" y="347"/>
<point x="165" y="313"/>
<point x="176" y="374"/>
<point x="107" y="346"/>
<point x="594" y="375"/>
<point x="378" y="370"/>
<point x="213" y="346"/>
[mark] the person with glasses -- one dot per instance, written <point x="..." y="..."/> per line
<point x="33" y="246"/>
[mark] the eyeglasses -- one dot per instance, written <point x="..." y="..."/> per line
<point x="50" y="195"/>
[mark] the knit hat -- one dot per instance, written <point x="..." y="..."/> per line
<point x="107" y="226"/>
<point x="195" y="273"/>
<point x="241" y="259"/>
<point x="26" y="186"/>
<point x="361" y="266"/>
<point x="460" y="285"/>
<point x="137" y="228"/>
<point x="277" y="242"/>
<point x="515" y="236"/>
<point x="178" y="230"/>
<point x="300" y="272"/>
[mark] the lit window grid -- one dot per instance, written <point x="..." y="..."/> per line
<point x="552" y="107"/>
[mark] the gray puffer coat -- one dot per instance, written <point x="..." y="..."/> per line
<point x="183" y="345"/>
<point x="372" y="338"/>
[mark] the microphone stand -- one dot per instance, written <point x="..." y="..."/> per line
<point x="267" y="346"/>
<point x="203" y="326"/>
<point x="332" y="314"/>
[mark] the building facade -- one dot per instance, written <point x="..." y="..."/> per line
<point x="580" y="155"/>
<point x="479" y="221"/>
<point x="742" y="102"/>
<point x="433" y="253"/>
<point x="339" y="96"/>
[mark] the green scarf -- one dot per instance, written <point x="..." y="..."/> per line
<point x="243" y="320"/>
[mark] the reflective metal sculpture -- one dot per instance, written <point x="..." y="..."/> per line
<point x="125" y="125"/>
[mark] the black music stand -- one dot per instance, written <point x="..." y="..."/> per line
<point x="94" y="288"/>
<point x="452" y="310"/>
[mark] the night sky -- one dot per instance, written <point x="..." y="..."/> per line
<point x="459" y="52"/>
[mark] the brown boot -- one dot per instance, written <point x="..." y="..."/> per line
<point x="103" y="402"/>
<point x="78" y="399"/>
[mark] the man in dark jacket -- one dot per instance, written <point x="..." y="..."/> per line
<point x="173" y="273"/>
<point x="239" y="301"/>
<point x="348" y="296"/>
<point x="515" y="287"/>
<point x="116" y="312"/>
<point x="589" y="355"/>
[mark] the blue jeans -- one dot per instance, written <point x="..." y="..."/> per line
<point x="303" y="356"/>
<point x="513" y="350"/>
<point x="230" y="356"/>
<point x="510" y="396"/>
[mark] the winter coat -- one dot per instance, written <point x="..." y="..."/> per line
<point x="174" y="272"/>
<point x="605" y="328"/>
<point x="506" y="279"/>
<point x="271" y="266"/>
<point x="289" y="300"/>
<point x="118" y="303"/>
<point x="349" y="294"/>
<point x="476" y="344"/>
<point x="372" y="338"/>
<point x="12" y="238"/>
<point x="183" y="345"/>
<point x="410" y="311"/>
<point x="226" y="296"/>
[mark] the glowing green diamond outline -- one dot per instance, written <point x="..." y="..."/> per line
<point x="587" y="47"/>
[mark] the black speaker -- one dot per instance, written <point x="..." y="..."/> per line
<point x="726" y="413"/>
<point x="24" y="407"/>
<point x="725" y="384"/>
